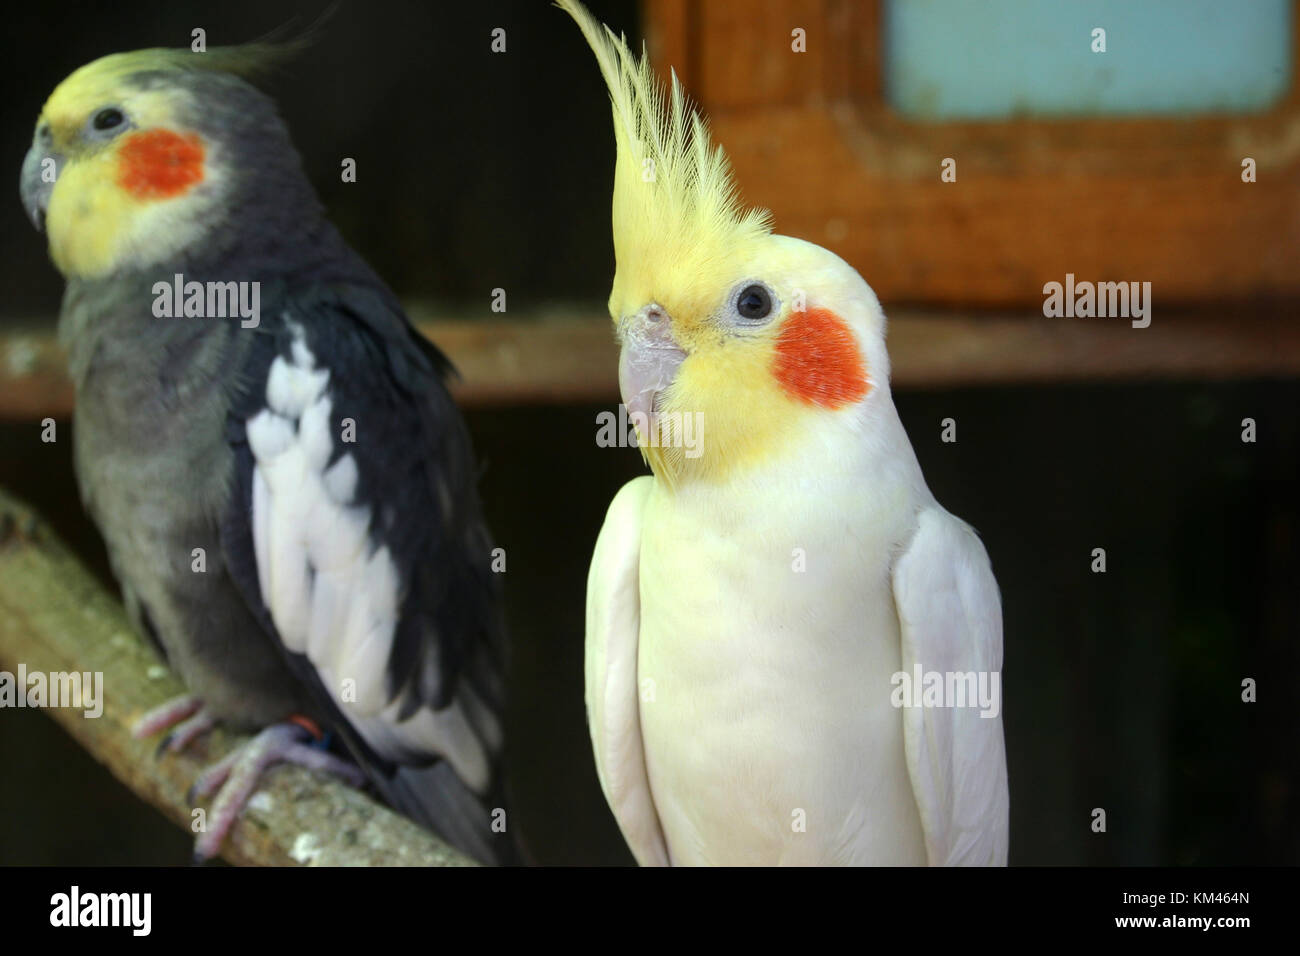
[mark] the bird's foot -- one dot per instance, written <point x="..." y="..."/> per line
<point x="237" y="774"/>
<point x="183" y="716"/>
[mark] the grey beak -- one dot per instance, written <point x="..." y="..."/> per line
<point x="649" y="360"/>
<point x="40" y="170"/>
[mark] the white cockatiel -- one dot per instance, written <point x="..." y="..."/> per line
<point x="751" y="605"/>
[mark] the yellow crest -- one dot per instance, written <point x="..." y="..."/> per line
<point x="100" y="79"/>
<point x="675" y="203"/>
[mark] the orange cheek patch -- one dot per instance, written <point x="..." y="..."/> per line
<point x="159" y="164"/>
<point x="817" y="360"/>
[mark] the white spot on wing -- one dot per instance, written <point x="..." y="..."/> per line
<point x="314" y="434"/>
<point x="444" y="732"/>
<point x="291" y="389"/>
<point x="269" y="435"/>
<point x="301" y="354"/>
<point x="331" y="595"/>
<point x="341" y="480"/>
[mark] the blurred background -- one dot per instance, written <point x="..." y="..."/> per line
<point x="481" y="170"/>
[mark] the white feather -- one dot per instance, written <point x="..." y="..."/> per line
<point x="314" y="436"/>
<point x="331" y="594"/>
<point x="739" y="705"/>
<point x="341" y="480"/>
<point x="951" y="622"/>
<point x="290" y="389"/>
<point x="269" y="435"/>
<point x="445" y="732"/>
<point x="613" y="714"/>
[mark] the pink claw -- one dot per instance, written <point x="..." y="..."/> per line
<point x="185" y="733"/>
<point x="238" y="773"/>
<point x="167" y="715"/>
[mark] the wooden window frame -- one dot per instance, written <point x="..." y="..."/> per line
<point x="813" y="138"/>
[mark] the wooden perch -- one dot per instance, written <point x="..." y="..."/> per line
<point x="54" y="617"/>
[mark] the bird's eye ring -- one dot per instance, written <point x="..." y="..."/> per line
<point x="754" y="302"/>
<point x="108" y="119"/>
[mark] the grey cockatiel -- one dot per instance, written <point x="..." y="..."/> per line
<point x="247" y="386"/>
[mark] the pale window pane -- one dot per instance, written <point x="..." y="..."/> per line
<point x="986" y="59"/>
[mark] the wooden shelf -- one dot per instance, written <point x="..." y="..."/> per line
<point x="570" y="356"/>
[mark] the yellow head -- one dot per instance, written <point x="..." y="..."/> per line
<point x="134" y="154"/>
<point x="754" y="336"/>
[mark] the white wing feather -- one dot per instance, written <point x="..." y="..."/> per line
<point x="613" y="701"/>
<point x="331" y="596"/>
<point x="951" y="621"/>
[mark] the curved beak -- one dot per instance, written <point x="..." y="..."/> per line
<point x="648" y="362"/>
<point x="40" y="170"/>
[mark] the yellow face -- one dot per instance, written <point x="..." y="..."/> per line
<point x="114" y="174"/>
<point x="732" y="336"/>
<point x="752" y="361"/>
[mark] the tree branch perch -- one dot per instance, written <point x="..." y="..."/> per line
<point x="55" y="617"/>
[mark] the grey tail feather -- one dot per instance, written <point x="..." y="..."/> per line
<point x="435" y="797"/>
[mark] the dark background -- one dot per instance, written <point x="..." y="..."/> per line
<point x="477" y="171"/>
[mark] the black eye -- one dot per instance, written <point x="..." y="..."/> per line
<point x="754" y="302"/>
<point x="108" y="119"/>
